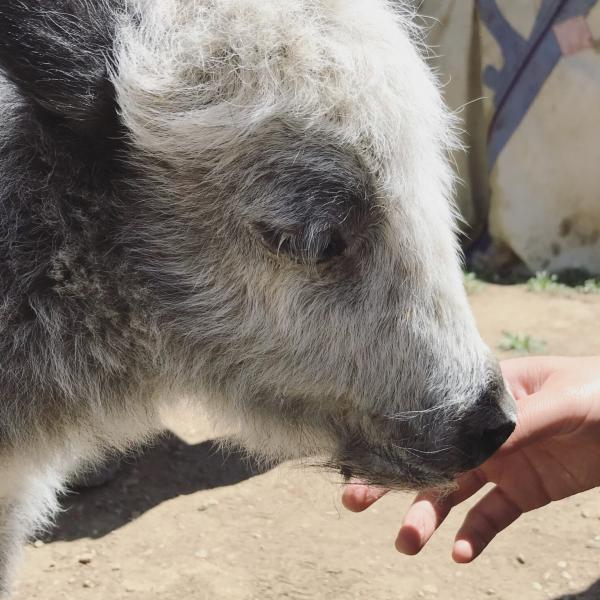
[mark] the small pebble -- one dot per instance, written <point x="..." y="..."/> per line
<point x="490" y="592"/>
<point x="88" y="584"/>
<point x="593" y="544"/>
<point x="536" y="585"/>
<point x="85" y="559"/>
<point x="586" y="514"/>
<point x="38" y="544"/>
<point x="208" y="504"/>
<point x="520" y="559"/>
<point x="566" y="575"/>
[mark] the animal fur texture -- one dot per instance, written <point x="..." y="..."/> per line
<point x="245" y="203"/>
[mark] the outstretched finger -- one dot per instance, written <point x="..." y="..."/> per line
<point x="492" y="514"/>
<point x="429" y="510"/>
<point x="359" y="496"/>
<point x="539" y="417"/>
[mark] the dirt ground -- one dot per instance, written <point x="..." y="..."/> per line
<point x="182" y="522"/>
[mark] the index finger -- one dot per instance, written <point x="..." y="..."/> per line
<point x="430" y="509"/>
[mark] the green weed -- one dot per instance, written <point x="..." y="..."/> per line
<point x="472" y="284"/>
<point x="520" y="343"/>
<point x="589" y="286"/>
<point x="544" y="282"/>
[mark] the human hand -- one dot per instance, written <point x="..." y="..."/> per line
<point x="553" y="453"/>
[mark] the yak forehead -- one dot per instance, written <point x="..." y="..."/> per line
<point x="217" y="70"/>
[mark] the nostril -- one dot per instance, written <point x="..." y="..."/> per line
<point x="492" y="439"/>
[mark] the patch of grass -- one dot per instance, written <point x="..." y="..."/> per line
<point x="589" y="286"/>
<point x="544" y="282"/>
<point x="520" y="343"/>
<point x="472" y="283"/>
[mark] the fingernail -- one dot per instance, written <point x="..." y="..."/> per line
<point x="462" y="552"/>
<point x="408" y="541"/>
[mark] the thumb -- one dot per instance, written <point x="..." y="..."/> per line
<point x="539" y="416"/>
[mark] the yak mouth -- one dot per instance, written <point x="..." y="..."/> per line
<point x="385" y="466"/>
<point x="420" y="454"/>
<point x="412" y="468"/>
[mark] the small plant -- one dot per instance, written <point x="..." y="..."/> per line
<point x="544" y="282"/>
<point x="590" y="286"/>
<point x="472" y="284"/>
<point x="520" y="343"/>
<point x="549" y="283"/>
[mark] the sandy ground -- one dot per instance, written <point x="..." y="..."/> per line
<point x="182" y="523"/>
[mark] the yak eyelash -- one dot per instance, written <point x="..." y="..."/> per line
<point x="312" y="243"/>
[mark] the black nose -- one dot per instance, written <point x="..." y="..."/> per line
<point x="480" y="441"/>
<point x="492" y="439"/>
<point x="487" y="425"/>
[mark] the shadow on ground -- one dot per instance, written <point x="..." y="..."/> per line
<point x="592" y="593"/>
<point x="169" y="469"/>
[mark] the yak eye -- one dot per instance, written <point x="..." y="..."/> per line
<point x="336" y="245"/>
<point x="313" y="243"/>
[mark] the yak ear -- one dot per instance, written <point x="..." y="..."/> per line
<point x="58" y="53"/>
